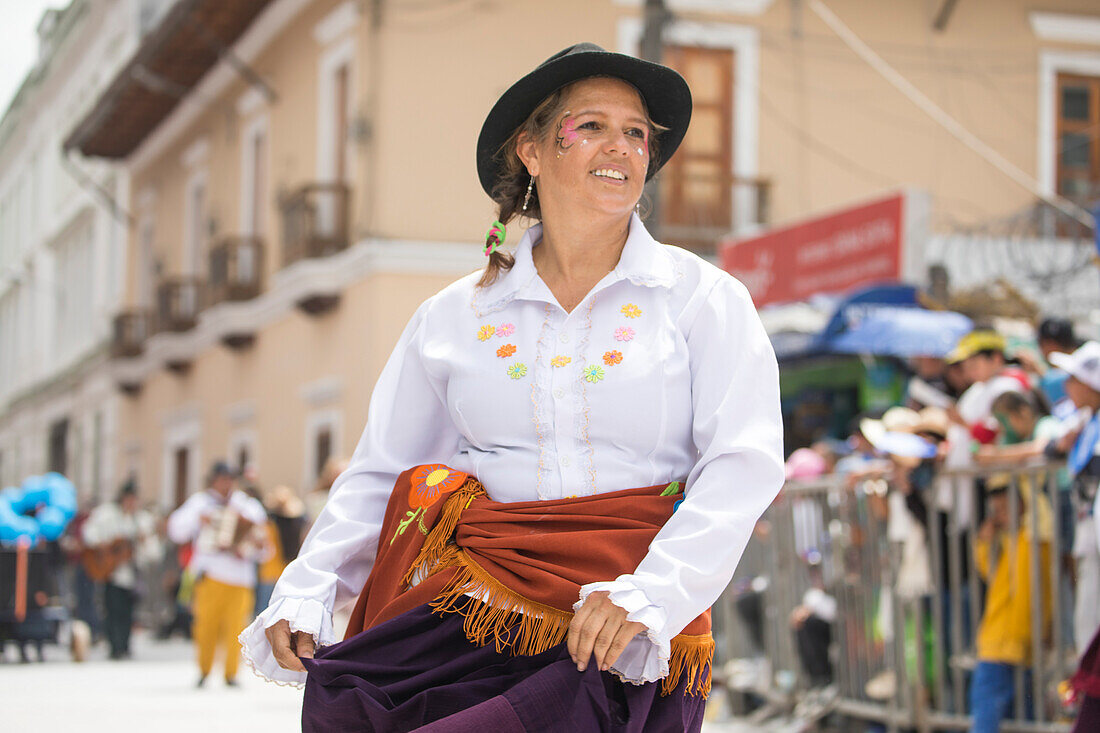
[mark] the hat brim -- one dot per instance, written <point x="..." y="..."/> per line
<point x="666" y="95"/>
<point x="1068" y="364"/>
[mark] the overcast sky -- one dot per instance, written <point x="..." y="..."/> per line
<point x="19" y="42"/>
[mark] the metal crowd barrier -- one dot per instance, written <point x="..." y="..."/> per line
<point x="901" y="657"/>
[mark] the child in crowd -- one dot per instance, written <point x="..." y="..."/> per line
<point x="1005" y="633"/>
<point x="1083" y="387"/>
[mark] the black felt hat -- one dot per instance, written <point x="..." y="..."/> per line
<point x="666" y="95"/>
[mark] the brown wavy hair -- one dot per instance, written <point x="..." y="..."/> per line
<point x="511" y="184"/>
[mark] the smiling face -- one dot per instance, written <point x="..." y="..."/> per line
<point x="597" y="157"/>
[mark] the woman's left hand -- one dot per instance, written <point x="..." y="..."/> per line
<point x="600" y="627"/>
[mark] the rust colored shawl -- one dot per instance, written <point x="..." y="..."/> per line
<point x="524" y="562"/>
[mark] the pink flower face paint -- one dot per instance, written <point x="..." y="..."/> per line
<point x="567" y="131"/>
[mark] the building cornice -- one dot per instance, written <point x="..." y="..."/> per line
<point x="324" y="276"/>
<point x="1066" y="28"/>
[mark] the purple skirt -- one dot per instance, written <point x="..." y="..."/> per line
<point x="419" y="672"/>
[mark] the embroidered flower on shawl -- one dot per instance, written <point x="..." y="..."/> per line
<point x="506" y="329"/>
<point x="507" y="350"/>
<point x="631" y="311"/>
<point x="485" y="333"/>
<point x="517" y="370"/>
<point x="429" y="483"/>
<point x="593" y="373"/>
<point x="612" y="357"/>
<point x="626" y="333"/>
<point x="560" y="361"/>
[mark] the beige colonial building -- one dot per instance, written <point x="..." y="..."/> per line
<point x="302" y="175"/>
<point x="62" y="249"/>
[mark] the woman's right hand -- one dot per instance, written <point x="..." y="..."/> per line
<point x="288" y="646"/>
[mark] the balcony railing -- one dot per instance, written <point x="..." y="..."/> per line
<point x="705" y="208"/>
<point x="236" y="269"/>
<point x="131" y="328"/>
<point x="315" y="221"/>
<point x="179" y="300"/>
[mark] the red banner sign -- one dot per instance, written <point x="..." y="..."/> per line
<point x="835" y="253"/>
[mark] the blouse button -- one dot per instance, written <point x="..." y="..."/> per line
<point x="564" y="338"/>
<point x="559" y="393"/>
<point x="564" y="460"/>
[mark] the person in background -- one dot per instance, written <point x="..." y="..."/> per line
<point x="1005" y="632"/>
<point x="982" y="354"/>
<point x="1083" y="466"/>
<point x="289" y="514"/>
<point x="812" y="624"/>
<point x="227" y="528"/>
<point x="84" y="588"/>
<point x="1083" y="387"/>
<point x="315" y="499"/>
<point x="284" y="531"/>
<point x="125" y="535"/>
<point x="928" y="387"/>
<point x="1055" y="336"/>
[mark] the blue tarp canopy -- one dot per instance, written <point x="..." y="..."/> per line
<point x="886" y="319"/>
<point x="888" y="330"/>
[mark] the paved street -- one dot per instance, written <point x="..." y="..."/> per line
<point x="155" y="691"/>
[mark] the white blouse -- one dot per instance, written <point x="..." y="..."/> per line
<point x="663" y="372"/>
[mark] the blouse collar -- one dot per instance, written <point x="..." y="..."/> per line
<point x="644" y="261"/>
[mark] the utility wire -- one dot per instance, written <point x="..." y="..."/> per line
<point x="944" y="119"/>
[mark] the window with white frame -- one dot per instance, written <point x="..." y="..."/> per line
<point x="146" y="285"/>
<point x="1077" y="137"/>
<point x="323" y="441"/>
<point x="74" y="297"/>
<point x="181" y="457"/>
<point x="243" y="450"/>
<point x="711" y="186"/>
<point x="254" y="177"/>
<point x="195" y="224"/>
<point x="334" y="89"/>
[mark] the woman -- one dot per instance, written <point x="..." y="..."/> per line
<point x="591" y="361"/>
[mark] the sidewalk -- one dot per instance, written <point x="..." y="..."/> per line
<point x="153" y="691"/>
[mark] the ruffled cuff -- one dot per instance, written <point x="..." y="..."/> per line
<point x="645" y="658"/>
<point x="304" y="614"/>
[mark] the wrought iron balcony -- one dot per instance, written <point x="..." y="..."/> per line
<point x="179" y="300"/>
<point x="131" y="328"/>
<point x="315" y="221"/>
<point x="703" y="208"/>
<point x="236" y="269"/>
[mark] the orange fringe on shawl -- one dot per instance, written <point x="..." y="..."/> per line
<point x="451" y="580"/>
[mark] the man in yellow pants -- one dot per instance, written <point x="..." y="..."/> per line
<point x="227" y="527"/>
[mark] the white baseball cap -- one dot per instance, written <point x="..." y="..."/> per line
<point x="1083" y="364"/>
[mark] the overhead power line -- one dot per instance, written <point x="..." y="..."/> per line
<point x="945" y="120"/>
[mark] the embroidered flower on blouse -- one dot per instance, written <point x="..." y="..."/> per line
<point x="485" y="333"/>
<point x="505" y="351"/>
<point x="560" y="361"/>
<point x="517" y="370"/>
<point x="593" y="373"/>
<point x="506" y="329"/>
<point x="626" y="333"/>
<point x="631" y="311"/>
<point x="612" y="357"/>
<point x="428" y="484"/>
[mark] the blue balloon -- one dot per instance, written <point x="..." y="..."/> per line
<point x="35" y="492"/>
<point x="13" y="526"/>
<point x="16" y="497"/>
<point x="62" y="494"/>
<point x="51" y="522"/>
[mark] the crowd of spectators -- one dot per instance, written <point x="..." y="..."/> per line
<point x="985" y="405"/>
